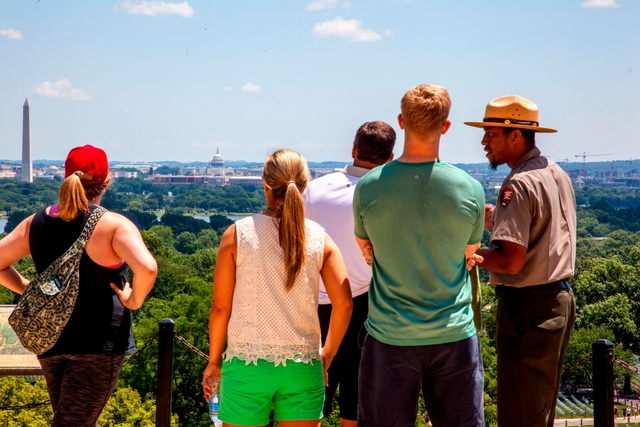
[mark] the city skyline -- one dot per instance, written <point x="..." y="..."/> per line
<point x="153" y="81"/>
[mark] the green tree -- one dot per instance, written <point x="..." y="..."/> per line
<point x="164" y="232"/>
<point x="203" y="262"/>
<point x="616" y="314"/>
<point x="189" y="308"/>
<point x="187" y="243"/>
<point x="181" y="223"/>
<point x="142" y="220"/>
<point x="125" y="408"/>
<point x="14" y="219"/>
<point x="580" y="348"/>
<point x="219" y="223"/>
<point x="154" y="201"/>
<point x="135" y="205"/>
<point x="607" y="294"/>
<point x="208" y="238"/>
<point x="155" y="244"/>
<point x="17" y="392"/>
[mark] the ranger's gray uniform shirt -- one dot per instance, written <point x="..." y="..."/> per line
<point x="536" y="209"/>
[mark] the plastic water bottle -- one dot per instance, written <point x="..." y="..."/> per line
<point x="214" y="400"/>
<point x="214" y="408"/>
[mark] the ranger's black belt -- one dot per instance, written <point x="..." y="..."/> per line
<point x="560" y="284"/>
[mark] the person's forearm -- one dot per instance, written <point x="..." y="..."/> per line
<point x="218" y="323"/>
<point x="338" y="324"/>
<point x="12" y="280"/>
<point x="498" y="261"/>
<point x="143" y="282"/>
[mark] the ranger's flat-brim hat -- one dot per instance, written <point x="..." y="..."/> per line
<point x="511" y="111"/>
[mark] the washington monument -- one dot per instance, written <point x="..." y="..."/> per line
<point x="27" y="168"/>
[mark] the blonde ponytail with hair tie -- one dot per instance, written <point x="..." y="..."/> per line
<point x="288" y="166"/>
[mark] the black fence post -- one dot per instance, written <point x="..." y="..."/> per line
<point x="165" y="372"/>
<point x="602" y="383"/>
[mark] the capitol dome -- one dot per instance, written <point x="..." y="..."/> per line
<point x="217" y="161"/>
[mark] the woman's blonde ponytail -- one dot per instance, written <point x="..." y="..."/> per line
<point x="293" y="233"/>
<point x="287" y="175"/>
<point x="72" y="198"/>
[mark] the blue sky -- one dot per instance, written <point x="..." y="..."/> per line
<point x="156" y="80"/>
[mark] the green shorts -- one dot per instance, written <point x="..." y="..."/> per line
<point x="247" y="392"/>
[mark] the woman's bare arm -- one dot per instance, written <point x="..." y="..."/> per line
<point x="224" y="283"/>
<point x="127" y="243"/>
<point x="336" y="281"/>
<point x="13" y="248"/>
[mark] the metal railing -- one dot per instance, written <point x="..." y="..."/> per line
<point x="166" y="336"/>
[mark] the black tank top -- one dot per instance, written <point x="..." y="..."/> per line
<point x="99" y="322"/>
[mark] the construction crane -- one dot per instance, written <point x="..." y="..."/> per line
<point x="584" y="156"/>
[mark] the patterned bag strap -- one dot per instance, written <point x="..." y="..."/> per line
<point x="90" y="224"/>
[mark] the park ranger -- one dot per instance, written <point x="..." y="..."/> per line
<point x="531" y="259"/>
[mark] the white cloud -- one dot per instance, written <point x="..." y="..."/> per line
<point x="154" y="8"/>
<point x="317" y="5"/>
<point x="125" y="110"/>
<point x="321" y="4"/>
<point x="228" y="88"/>
<point x="600" y="3"/>
<point x="250" y="87"/>
<point x="60" y="89"/>
<point x="12" y="34"/>
<point x="350" y="29"/>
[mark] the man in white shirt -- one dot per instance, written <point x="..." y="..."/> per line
<point x="328" y="201"/>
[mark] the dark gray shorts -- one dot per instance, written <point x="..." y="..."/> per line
<point x="450" y="375"/>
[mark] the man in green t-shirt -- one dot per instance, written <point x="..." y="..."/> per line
<point x="423" y="217"/>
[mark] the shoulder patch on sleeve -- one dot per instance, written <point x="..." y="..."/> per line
<point x="506" y="194"/>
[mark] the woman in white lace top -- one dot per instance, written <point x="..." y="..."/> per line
<point x="265" y="307"/>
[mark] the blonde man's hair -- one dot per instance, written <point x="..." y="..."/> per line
<point x="286" y="173"/>
<point x="425" y="108"/>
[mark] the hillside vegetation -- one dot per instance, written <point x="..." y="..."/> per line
<point x="606" y="285"/>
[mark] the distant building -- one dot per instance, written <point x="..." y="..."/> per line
<point x="193" y="170"/>
<point x="220" y="181"/>
<point x="214" y="168"/>
<point x="7" y="171"/>
<point x="142" y="167"/>
<point x="216" y="165"/>
<point x="177" y="179"/>
<point x="318" y="172"/>
<point x="256" y="181"/>
<point x="478" y="176"/>
<point x="50" y="172"/>
<point x="123" y="174"/>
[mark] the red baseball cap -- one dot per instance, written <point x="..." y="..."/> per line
<point x="90" y="160"/>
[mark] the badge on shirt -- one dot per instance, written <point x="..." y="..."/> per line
<point x="506" y="194"/>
